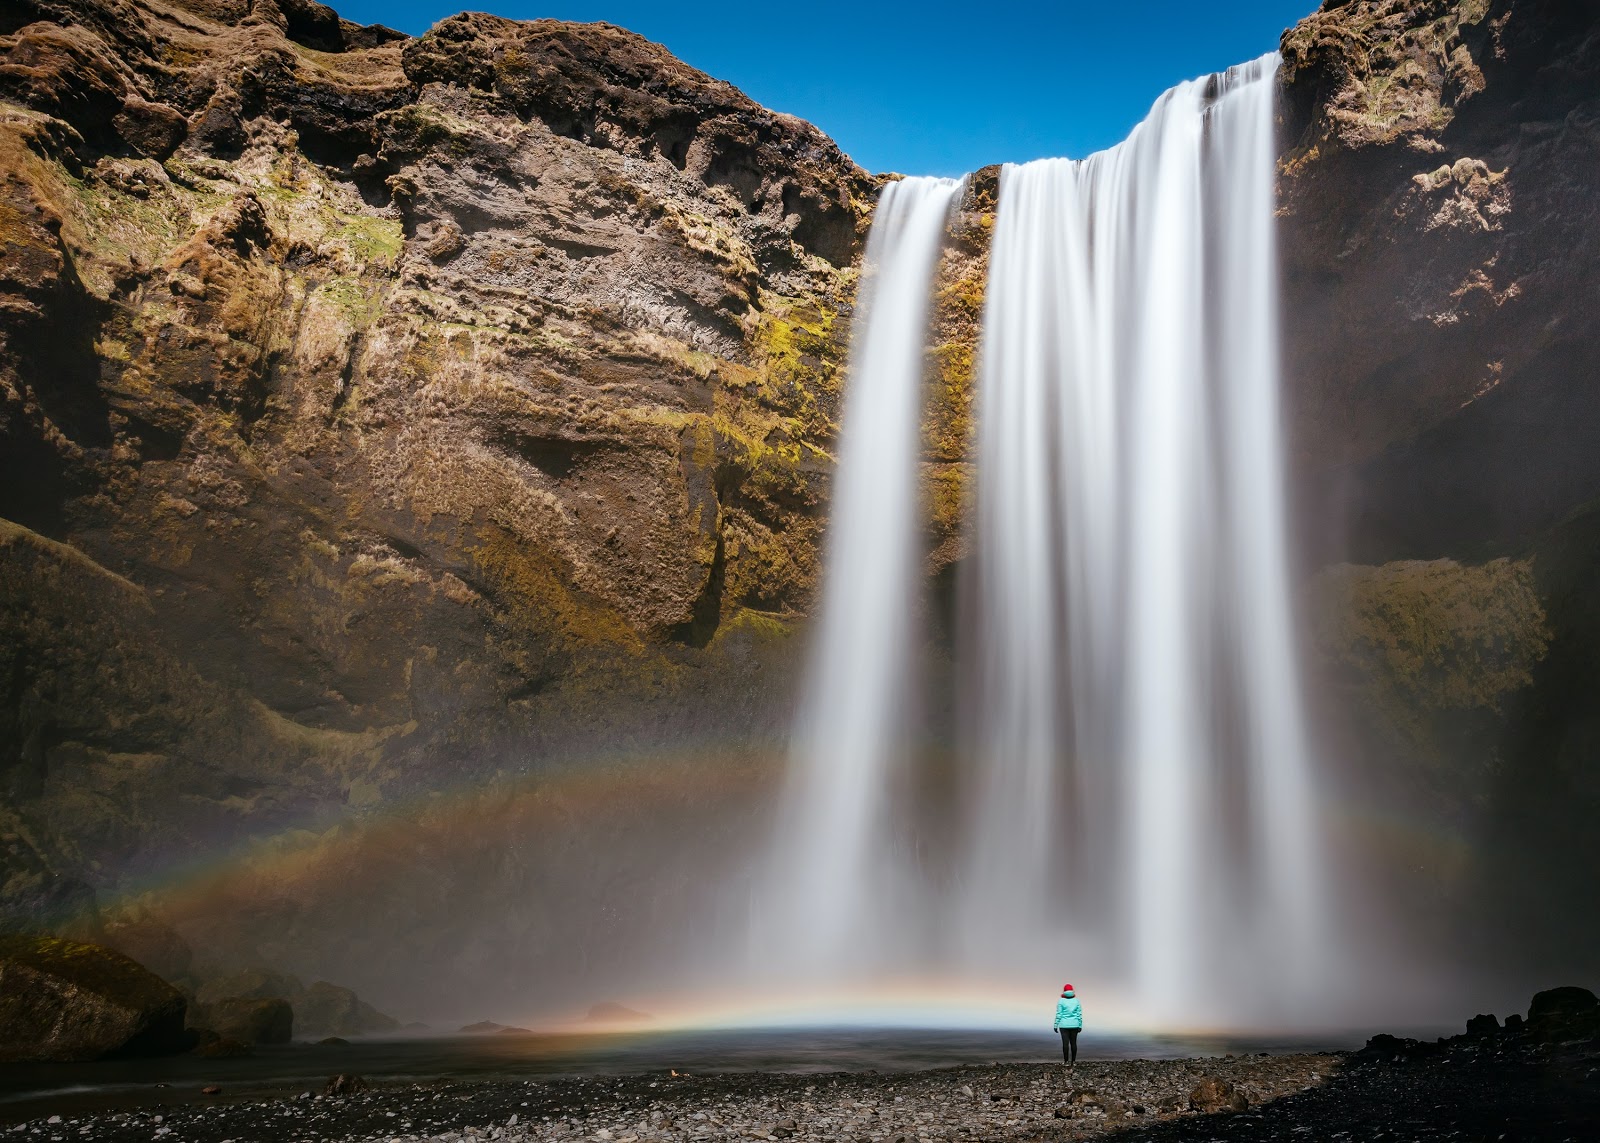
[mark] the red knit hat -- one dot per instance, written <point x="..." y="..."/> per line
<point x="1066" y="988"/>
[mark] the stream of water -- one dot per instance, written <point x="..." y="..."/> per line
<point x="1136" y="792"/>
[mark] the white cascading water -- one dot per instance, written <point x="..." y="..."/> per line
<point x="835" y="874"/>
<point x="1139" y="805"/>
<point x="1144" y="776"/>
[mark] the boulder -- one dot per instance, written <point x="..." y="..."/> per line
<point x="64" y="1000"/>
<point x="1564" y="1013"/>
<point x="344" y="1085"/>
<point x="1483" y="1025"/>
<point x="252" y="1021"/>
<point x="1213" y="1094"/>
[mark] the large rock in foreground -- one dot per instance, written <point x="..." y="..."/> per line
<point x="62" y="1000"/>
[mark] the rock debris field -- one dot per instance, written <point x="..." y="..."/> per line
<point x="1465" y="1089"/>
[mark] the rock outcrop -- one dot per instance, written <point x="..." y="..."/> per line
<point x="380" y="413"/>
<point x="249" y="1020"/>
<point x="259" y="1006"/>
<point x="64" y="1000"/>
<point x="1441" y="246"/>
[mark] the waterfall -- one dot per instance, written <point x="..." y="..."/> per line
<point x="1144" y="786"/>
<point x="1137" y="803"/>
<point x="837" y="880"/>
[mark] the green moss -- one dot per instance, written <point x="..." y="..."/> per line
<point x="432" y="127"/>
<point x="356" y="300"/>
<point x="372" y="239"/>
<point x="762" y="624"/>
<point x="1425" y="639"/>
<point x="706" y="236"/>
<point x="91" y="967"/>
<point x="537" y="597"/>
<point x="947" y="489"/>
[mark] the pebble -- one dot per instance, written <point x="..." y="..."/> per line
<point x="951" y="1105"/>
<point x="1448" y="1094"/>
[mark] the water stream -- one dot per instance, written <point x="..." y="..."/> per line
<point x="835" y="876"/>
<point x="1144" y="780"/>
<point x="1136" y="799"/>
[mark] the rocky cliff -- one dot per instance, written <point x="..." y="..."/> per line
<point x="1442" y="249"/>
<point x="1441" y="243"/>
<point x="391" y="423"/>
<point x="365" y="401"/>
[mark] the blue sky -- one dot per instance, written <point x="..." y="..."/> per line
<point x="932" y="88"/>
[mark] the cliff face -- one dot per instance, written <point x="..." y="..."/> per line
<point x="378" y="413"/>
<point x="386" y="417"/>
<point x="1442" y="249"/>
<point x="1441" y="242"/>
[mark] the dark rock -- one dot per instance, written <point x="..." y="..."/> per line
<point x="217" y="129"/>
<point x="1430" y="201"/>
<point x="218" y="1048"/>
<point x="1483" y="1025"/>
<point x="251" y="1020"/>
<point x="211" y="1089"/>
<point x="344" y="1085"/>
<point x="333" y="1041"/>
<point x="63" y="1000"/>
<point x="651" y="242"/>
<point x="1212" y="1094"/>
<point x="603" y="85"/>
<point x="325" y="1009"/>
<point x="152" y="129"/>
<point x="1569" y="1012"/>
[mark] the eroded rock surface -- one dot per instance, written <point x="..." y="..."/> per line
<point x="1442" y="243"/>
<point x="375" y="408"/>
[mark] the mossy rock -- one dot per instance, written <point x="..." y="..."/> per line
<point x="64" y="1000"/>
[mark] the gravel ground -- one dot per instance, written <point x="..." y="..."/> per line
<point x="1484" y="1089"/>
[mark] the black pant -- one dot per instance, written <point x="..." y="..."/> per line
<point x="1069" y="1044"/>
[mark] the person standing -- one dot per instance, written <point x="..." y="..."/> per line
<point x="1069" y="1022"/>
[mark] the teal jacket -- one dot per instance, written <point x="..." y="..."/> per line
<point x="1069" y="1013"/>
